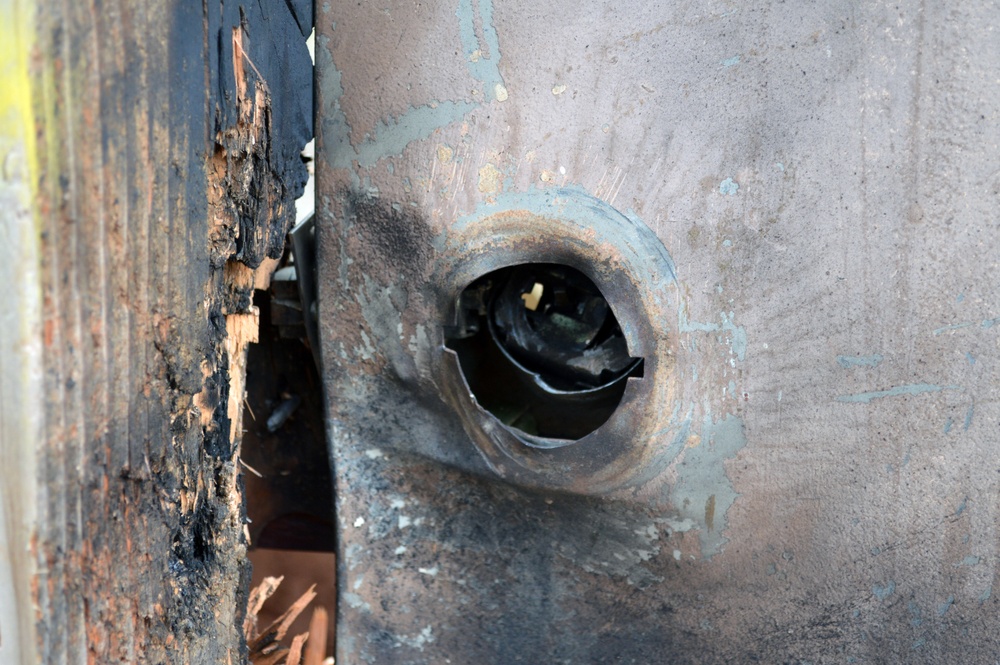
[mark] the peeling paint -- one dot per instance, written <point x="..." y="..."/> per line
<point x="737" y="337"/>
<point x="490" y="179"/>
<point x="945" y="606"/>
<point x="445" y="153"/>
<point x="985" y="323"/>
<point x="703" y="492"/>
<point x="426" y="636"/>
<point x="911" y="389"/>
<point x="392" y="137"/>
<point x="729" y="187"/>
<point x="625" y="540"/>
<point x="482" y="58"/>
<point x="848" y="362"/>
<point x="336" y="130"/>
<point x="883" y="592"/>
<point x="355" y="601"/>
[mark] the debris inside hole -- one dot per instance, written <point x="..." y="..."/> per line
<point x="541" y="350"/>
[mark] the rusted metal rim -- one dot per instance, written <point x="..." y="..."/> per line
<point x="633" y="270"/>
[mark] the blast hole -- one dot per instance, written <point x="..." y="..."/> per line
<point x="541" y="349"/>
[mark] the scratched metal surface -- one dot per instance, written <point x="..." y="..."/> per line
<point x="815" y="472"/>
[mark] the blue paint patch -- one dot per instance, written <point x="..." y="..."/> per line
<point x="848" y="362"/>
<point x="703" y="493"/>
<point x="482" y="60"/>
<point x="960" y="298"/>
<point x="945" y="606"/>
<point x="968" y="417"/>
<point x="915" y="618"/>
<point x="728" y="187"/>
<point x="971" y="358"/>
<point x="962" y="506"/>
<point x="883" y="592"/>
<point x="954" y="326"/>
<point x="912" y="389"/>
<point x="919" y="643"/>
<point x="727" y="243"/>
<point x="985" y="595"/>
<point x="417" y="123"/>
<point x="730" y="62"/>
<point x="781" y="167"/>
<point x="985" y="323"/>
<point x="390" y="138"/>
<point x="968" y="561"/>
<point x="336" y="130"/>
<point x="947" y="425"/>
<point x="737" y="334"/>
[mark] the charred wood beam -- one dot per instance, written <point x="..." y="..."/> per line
<point x="158" y="163"/>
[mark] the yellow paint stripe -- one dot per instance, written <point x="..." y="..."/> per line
<point x="20" y="332"/>
<point x="18" y="157"/>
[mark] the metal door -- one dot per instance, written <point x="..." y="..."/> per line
<point x="791" y="209"/>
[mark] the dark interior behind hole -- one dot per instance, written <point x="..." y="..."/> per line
<point x="541" y="350"/>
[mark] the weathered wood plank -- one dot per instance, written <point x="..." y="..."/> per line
<point x="165" y="172"/>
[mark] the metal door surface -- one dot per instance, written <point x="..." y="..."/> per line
<point x="792" y="210"/>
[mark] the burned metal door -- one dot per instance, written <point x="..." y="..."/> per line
<point x="662" y="332"/>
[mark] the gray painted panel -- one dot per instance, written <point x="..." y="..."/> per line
<point x="825" y="178"/>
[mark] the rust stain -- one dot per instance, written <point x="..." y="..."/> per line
<point x="49" y="332"/>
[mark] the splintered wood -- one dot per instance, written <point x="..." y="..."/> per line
<point x="265" y="645"/>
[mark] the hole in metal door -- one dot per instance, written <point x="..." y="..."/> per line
<point x="541" y="349"/>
